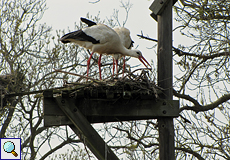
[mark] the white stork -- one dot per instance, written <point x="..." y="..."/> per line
<point x="126" y="40"/>
<point x="103" y="40"/>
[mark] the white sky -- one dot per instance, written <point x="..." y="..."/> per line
<point x="65" y="13"/>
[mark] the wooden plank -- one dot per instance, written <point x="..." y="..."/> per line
<point x="50" y="107"/>
<point x="119" y="108"/>
<point x="154" y="16"/>
<point x="50" y="121"/>
<point x="164" y="70"/>
<point x="135" y="108"/>
<point x="83" y="128"/>
<point x="103" y="114"/>
<point x="158" y="6"/>
<point x="101" y="111"/>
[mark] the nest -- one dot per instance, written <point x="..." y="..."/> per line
<point x="131" y="85"/>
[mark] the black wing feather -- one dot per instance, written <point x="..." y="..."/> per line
<point x="78" y="36"/>
<point x="88" y="22"/>
<point x="131" y="45"/>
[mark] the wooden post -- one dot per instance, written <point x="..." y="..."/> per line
<point x="166" y="128"/>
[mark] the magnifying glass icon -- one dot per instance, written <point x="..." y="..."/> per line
<point x="9" y="147"/>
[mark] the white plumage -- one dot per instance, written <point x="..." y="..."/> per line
<point x="126" y="40"/>
<point x="101" y="39"/>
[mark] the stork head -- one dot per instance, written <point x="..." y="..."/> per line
<point x="138" y="54"/>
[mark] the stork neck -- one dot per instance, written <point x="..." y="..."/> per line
<point x="127" y="52"/>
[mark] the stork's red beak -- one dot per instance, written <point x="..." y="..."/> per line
<point x="141" y="58"/>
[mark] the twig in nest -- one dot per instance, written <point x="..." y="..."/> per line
<point x="74" y="74"/>
<point x="131" y="74"/>
<point x="109" y="77"/>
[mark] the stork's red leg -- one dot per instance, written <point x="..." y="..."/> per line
<point x="123" y="67"/>
<point x="99" y="66"/>
<point x="113" y="66"/>
<point x="88" y="63"/>
<point x="116" y="65"/>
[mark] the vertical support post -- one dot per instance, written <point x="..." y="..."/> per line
<point x="166" y="128"/>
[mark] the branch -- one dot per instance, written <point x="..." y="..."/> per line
<point x="31" y="92"/>
<point x="206" y="8"/>
<point x="8" y="119"/>
<point x="74" y="74"/>
<point x="194" y="153"/>
<point x="38" y="131"/>
<point x="199" y="108"/>
<point x="187" y="97"/>
<point x="182" y="53"/>
<point x="58" y="147"/>
<point x="144" y="37"/>
<point x="95" y="1"/>
<point x="137" y="140"/>
<point x="191" y="73"/>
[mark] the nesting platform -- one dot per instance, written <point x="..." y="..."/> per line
<point x="108" y="101"/>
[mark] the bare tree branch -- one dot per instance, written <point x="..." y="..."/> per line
<point x="187" y="97"/>
<point x="7" y="121"/>
<point x="179" y="52"/>
<point x="69" y="140"/>
<point x="198" y="108"/>
<point x="194" y="153"/>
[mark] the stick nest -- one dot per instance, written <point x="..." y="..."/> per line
<point x="141" y="84"/>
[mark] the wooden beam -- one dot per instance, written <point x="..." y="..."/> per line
<point x="154" y="16"/>
<point x="51" y="120"/>
<point x="109" y="110"/>
<point x="86" y="132"/>
<point x="166" y="127"/>
<point x="158" y="6"/>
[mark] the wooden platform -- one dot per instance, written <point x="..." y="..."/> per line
<point x="108" y="102"/>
